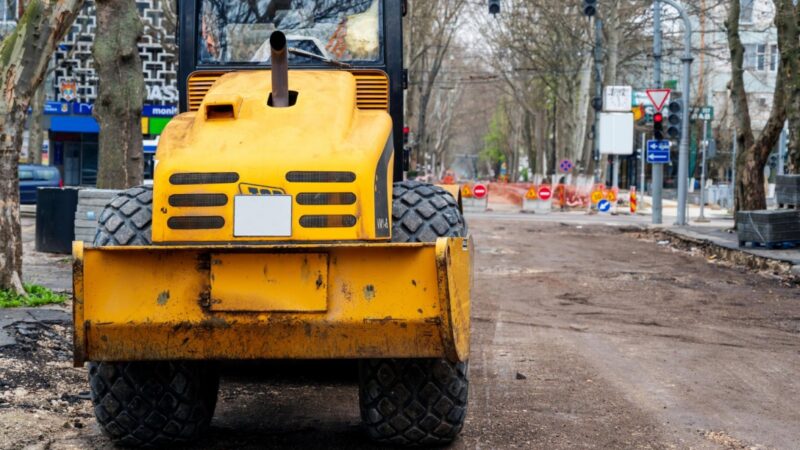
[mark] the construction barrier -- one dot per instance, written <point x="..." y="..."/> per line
<point x="535" y="202"/>
<point x="472" y="201"/>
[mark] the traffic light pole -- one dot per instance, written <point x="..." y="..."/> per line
<point x="598" y="82"/>
<point x="683" y="152"/>
<point x="702" y="217"/>
<point x="658" y="169"/>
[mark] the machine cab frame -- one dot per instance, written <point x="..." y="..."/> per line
<point x="389" y="59"/>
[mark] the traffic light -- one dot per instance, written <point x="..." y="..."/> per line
<point x="589" y="7"/>
<point x="494" y="7"/>
<point x="406" y="132"/>
<point x="658" y="126"/>
<point x="675" y="119"/>
<point x="597" y="104"/>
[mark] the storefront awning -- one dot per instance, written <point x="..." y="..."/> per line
<point x="73" y="124"/>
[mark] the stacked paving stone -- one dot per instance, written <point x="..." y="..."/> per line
<point x="90" y="204"/>
<point x="773" y="228"/>
<point x="787" y="190"/>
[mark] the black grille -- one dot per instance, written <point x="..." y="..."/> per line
<point x="344" y="221"/>
<point x="321" y="177"/>
<point x="198" y="200"/>
<point x="327" y="198"/>
<point x="196" y="223"/>
<point x="204" y="178"/>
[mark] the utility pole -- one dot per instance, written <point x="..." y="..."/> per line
<point x="643" y="156"/>
<point x="597" y="103"/>
<point x="733" y="170"/>
<point x="658" y="169"/>
<point x="782" y="147"/>
<point x="704" y="141"/>
<point x="683" y="153"/>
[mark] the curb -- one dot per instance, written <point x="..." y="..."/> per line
<point x="735" y="256"/>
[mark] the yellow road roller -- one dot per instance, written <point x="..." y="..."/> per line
<point x="279" y="226"/>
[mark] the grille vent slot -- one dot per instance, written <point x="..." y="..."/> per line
<point x="321" y="177"/>
<point x="203" y="178"/>
<point x="198" y="86"/>
<point x="198" y="200"/>
<point x="372" y="88"/>
<point x="327" y="198"/>
<point x="196" y="222"/>
<point x="343" y="221"/>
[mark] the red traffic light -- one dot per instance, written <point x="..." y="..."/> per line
<point x="658" y="118"/>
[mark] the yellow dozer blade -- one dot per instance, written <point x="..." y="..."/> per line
<point x="294" y="301"/>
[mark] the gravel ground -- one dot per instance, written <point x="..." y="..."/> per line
<point x="583" y="337"/>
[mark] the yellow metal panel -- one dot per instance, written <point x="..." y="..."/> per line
<point x="145" y="125"/>
<point x="79" y="333"/>
<point x="279" y="282"/>
<point x="324" y="131"/>
<point x="383" y="300"/>
<point x="454" y="264"/>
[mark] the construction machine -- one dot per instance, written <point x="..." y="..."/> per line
<point x="279" y="226"/>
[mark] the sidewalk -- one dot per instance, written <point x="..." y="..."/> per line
<point x="727" y="240"/>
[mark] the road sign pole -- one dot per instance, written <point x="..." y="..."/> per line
<point x="643" y="155"/>
<point x="733" y="170"/>
<point x="782" y="147"/>
<point x="657" y="182"/>
<point x="683" y="152"/>
<point x="598" y="91"/>
<point x="702" y="217"/>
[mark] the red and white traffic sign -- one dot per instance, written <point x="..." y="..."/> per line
<point x="658" y="97"/>
<point x="479" y="191"/>
<point x="545" y="193"/>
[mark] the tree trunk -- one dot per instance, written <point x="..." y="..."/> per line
<point x="787" y="17"/>
<point x="37" y="130"/>
<point x="530" y="148"/>
<point x="751" y="161"/>
<point x="120" y="94"/>
<point x="10" y="231"/>
<point x="24" y="56"/>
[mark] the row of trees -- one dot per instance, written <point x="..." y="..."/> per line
<point x="25" y="56"/>
<point x="528" y="74"/>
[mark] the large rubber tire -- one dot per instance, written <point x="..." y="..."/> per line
<point x="422" y="212"/>
<point x="153" y="404"/>
<point x="416" y="401"/>
<point x="147" y="404"/>
<point x="127" y="219"/>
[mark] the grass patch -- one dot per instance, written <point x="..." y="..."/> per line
<point x="37" y="296"/>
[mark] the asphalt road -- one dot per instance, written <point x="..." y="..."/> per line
<point x="583" y="337"/>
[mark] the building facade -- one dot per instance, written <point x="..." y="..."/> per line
<point x="71" y="140"/>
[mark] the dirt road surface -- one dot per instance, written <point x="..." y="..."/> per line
<point x="583" y="337"/>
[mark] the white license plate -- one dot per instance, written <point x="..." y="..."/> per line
<point x="262" y="216"/>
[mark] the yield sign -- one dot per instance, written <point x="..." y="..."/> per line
<point x="658" y="97"/>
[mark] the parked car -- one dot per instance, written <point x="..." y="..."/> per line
<point x="32" y="177"/>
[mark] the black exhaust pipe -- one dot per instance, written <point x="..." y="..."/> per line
<point x="280" y="70"/>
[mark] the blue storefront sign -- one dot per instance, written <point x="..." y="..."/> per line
<point x="159" y="110"/>
<point x="56" y="108"/>
<point x="86" y="109"/>
<point x="82" y="109"/>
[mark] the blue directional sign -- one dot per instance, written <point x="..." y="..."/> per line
<point x="658" y="152"/>
<point x="604" y="206"/>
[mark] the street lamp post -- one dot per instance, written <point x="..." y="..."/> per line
<point x="683" y="153"/>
